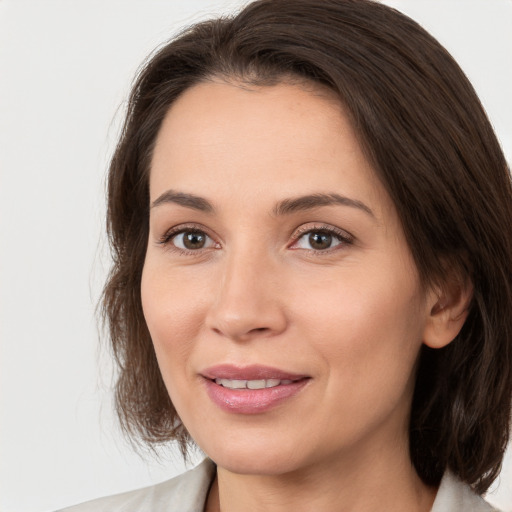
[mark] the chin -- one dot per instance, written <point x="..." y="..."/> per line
<point x="270" y="457"/>
<point x="254" y="464"/>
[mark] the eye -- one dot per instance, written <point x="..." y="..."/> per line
<point x="317" y="240"/>
<point x="321" y="239"/>
<point x="188" y="240"/>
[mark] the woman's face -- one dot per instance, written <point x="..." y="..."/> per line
<point x="284" y="306"/>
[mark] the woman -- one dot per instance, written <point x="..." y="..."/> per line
<point x="310" y="219"/>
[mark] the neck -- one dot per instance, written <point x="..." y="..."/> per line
<point x="381" y="479"/>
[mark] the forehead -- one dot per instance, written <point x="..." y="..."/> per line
<point x="287" y="139"/>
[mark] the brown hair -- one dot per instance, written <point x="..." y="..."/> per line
<point x="424" y="130"/>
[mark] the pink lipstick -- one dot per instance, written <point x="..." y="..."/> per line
<point x="250" y="389"/>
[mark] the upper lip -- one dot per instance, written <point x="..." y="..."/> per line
<point x="250" y="372"/>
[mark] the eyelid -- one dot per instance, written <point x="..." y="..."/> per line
<point x="166" y="238"/>
<point x="344" y="236"/>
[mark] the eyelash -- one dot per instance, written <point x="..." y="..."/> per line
<point x="166" y="239"/>
<point x="343" y="237"/>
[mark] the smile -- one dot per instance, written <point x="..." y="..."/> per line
<point x="251" y="389"/>
<point x="252" y="384"/>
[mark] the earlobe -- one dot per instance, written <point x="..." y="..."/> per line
<point x="447" y="311"/>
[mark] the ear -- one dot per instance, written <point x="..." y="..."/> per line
<point x="447" y="311"/>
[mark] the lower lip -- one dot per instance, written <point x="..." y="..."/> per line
<point x="252" y="401"/>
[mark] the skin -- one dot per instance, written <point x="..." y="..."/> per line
<point x="352" y="317"/>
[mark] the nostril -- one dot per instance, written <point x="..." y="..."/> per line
<point x="245" y="322"/>
<point x="259" y="330"/>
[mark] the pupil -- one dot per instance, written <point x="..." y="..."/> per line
<point x="319" y="240"/>
<point x="193" y="240"/>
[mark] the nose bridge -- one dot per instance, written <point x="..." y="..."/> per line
<point x="247" y="301"/>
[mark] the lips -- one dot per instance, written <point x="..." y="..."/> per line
<point x="253" y="372"/>
<point x="251" y="384"/>
<point x="251" y="389"/>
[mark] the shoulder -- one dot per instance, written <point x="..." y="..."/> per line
<point x="185" y="493"/>
<point x="456" y="496"/>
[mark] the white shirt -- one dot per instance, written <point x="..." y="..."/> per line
<point x="188" y="492"/>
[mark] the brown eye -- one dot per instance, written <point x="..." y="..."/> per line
<point x="320" y="240"/>
<point x="192" y="240"/>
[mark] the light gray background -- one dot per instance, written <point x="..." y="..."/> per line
<point x="65" y="69"/>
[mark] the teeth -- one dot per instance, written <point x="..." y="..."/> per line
<point x="237" y="384"/>
<point x="255" y="384"/>
<point x="251" y="384"/>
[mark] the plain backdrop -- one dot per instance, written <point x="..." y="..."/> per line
<point x="65" y="71"/>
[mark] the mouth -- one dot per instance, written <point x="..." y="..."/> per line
<point x="251" y="389"/>
<point x="250" y="373"/>
<point x="252" y="384"/>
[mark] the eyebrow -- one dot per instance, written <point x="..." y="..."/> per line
<point x="183" y="199"/>
<point x="288" y="206"/>
<point x="284" y="207"/>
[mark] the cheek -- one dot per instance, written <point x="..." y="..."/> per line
<point x="375" y="301"/>
<point x="174" y="311"/>
<point x="367" y="326"/>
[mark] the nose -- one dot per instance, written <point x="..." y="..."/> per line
<point x="247" y="303"/>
